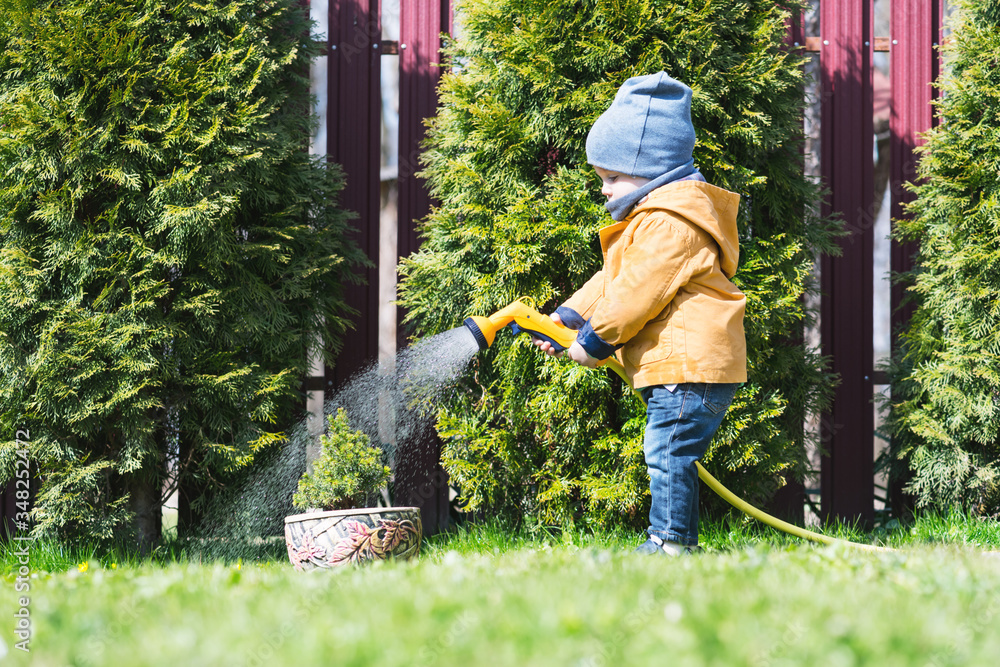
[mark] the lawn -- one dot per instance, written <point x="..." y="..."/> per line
<point x="485" y="596"/>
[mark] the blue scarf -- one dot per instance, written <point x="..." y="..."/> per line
<point x="620" y="206"/>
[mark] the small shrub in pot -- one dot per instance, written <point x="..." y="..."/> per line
<point x="348" y="473"/>
<point x="345" y="477"/>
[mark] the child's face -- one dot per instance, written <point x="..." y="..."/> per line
<point x="616" y="185"/>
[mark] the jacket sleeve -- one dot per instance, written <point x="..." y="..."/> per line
<point x="656" y="264"/>
<point x="584" y="300"/>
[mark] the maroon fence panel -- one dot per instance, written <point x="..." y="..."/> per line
<point x="354" y="141"/>
<point x="916" y="28"/>
<point x="847" y="477"/>
<point x="420" y="479"/>
<point x="421" y="24"/>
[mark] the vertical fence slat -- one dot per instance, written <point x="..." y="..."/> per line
<point x="914" y="68"/>
<point x="421" y="25"/>
<point x="354" y="142"/>
<point x="846" y="312"/>
<point x="795" y="35"/>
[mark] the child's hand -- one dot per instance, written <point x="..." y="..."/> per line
<point x="544" y="345"/>
<point x="580" y="356"/>
<point x="575" y="351"/>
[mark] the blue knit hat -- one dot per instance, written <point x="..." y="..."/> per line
<point x="646" y="132"/>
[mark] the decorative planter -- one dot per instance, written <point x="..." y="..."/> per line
<point x="332" y="539"/>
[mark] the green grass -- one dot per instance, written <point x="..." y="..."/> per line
<point x="484" y="595"/>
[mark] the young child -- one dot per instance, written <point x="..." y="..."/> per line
<point x="663" y="301"/>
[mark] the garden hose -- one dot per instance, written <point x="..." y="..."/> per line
<point x="746" y="507"/>
<point x="522" y="316"/>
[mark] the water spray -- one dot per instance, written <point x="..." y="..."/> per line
<point x="522" y="317"/>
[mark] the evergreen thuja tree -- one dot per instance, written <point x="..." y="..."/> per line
<point x="169" y="252"/>
<point x="946" y="392"/>
<point x="519" y="216"/>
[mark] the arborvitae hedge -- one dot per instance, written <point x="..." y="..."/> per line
<point x="519" y="215"/>
<point x="946" y="395"/>
<point x="169" y="251"/>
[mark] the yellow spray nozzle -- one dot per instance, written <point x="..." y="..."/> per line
<point x="482" y="329"/>
<point x="523" y="314"/>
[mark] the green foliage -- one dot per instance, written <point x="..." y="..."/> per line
<point x="348" y="471"/>
<point x="519" y="215"/>
<point x="169" y="252"/>
<point x="946" y="395"/>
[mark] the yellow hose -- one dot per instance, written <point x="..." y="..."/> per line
<point x="774" y="522"/>
<point x="741" y="504"/>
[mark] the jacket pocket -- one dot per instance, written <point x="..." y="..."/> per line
<point x="654" y="341"/>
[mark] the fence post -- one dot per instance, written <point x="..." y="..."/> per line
<point x="354" y="128"/>
<point x="421" y="24"/>
<point x="847" y="477"/>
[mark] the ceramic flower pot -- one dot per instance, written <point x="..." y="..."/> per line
<point x="332" y="539"/>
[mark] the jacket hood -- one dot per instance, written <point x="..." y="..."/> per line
<point x="707" y="206"/>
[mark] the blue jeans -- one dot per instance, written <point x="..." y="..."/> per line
<point x="679" y="427"/>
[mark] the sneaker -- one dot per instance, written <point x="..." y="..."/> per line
<point x="649" y="548"/>
<point x="654" y="546"/>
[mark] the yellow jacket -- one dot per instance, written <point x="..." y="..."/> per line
<point x="664" y="300"/>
